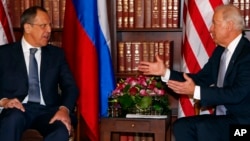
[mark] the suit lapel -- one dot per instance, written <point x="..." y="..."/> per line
<point x="45" y="62"/>
<point x="18" y="60"/>
<point x="236" y="53"/>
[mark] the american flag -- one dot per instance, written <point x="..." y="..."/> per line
<point x="6" y="31"/>
<point x="197" y="43"/>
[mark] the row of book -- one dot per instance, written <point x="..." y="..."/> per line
<point x="133" y="137"/>
<point x="244" y="6"/>
<point x="147" y="13"/>
<point x="55" y="8"/>
<point x="131" y="53"/>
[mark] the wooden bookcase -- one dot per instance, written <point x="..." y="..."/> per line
<point x="143" y="34"/>
<point x="55" y="8"/>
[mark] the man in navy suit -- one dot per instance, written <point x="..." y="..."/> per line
<point x="51" y="116"/>
<point x="232" y="96"/>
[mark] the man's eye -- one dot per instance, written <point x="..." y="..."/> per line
<point x="43" y="25"/>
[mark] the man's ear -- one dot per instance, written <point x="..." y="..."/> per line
<point x="230" y="25"/>
<point x="27" y="28"/>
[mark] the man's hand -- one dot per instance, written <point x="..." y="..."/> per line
<point x="153" y="68"/>
<point x="186" y="87"/>
<point x="62" y="115"/>
<point x="12" y="103"/>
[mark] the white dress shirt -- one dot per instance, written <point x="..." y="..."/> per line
<point x="231" y="47"/>
<point x="26" y="52"/>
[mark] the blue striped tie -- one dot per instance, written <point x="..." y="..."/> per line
<point x="34" y="88"/>
<point x="221" y="109"/>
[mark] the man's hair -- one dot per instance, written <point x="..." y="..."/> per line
<point x="29" y="14"/>
<point x="232" y="13"/>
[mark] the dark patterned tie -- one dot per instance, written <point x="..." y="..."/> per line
<point x="34" y="89"/>
<point x="220" y="109"/>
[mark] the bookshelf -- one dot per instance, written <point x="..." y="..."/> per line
<point x="141" y="34"/>
<point x="144" y="33"/>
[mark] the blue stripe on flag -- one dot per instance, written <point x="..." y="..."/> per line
<point x="88" y="17"/>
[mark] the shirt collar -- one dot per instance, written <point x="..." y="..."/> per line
<point x="232" y="46"/>
<point x="26" y="46"/>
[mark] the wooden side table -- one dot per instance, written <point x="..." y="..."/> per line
<point x="136" y="125"/>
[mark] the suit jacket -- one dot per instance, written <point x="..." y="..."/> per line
<point x="54" y="72"/>
<point x="235" y="94"/>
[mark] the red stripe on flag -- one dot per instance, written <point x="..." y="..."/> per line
<point x="186" y="105"/>
<point x="5" y="23"/>
<point x="82" y="57"/>
<point x="201" y="27"/>
<point x="191" y="61"/>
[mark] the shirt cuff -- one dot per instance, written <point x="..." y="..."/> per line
<point x="65" y="108"/>
<point x="197" y="93"/>
<point x="166" y="77"/>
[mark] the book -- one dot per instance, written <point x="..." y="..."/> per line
<point x="115" y="136"/>
<point x="139" y="13"/>
<point x="130" y="136"/>
<point x="246" y="13"/>
<point x="62" y="12"/>
<point x="156" y="50"/>
<point x="123" y="137"/>
<point x="175" y="14"/>
<point x="135" y="55"/>
<point x="119" y="13"/>
<point x="37" y="2"/>
<point x="155" y="13"/>
<point x="147" y="13"/>
<point x="170" y="13"/>
<point x="168" y="50"/>
<point x="26" y="4"/>
<point x="143" y="137"/>
<point x="47" y="4"/>
<point x="16" y="13"/>
<point x="131" y="14"/>
<point x="242" y="6"/>
<point x="55" y="13"/>
<point x="151" y="51"/>
<point x="145" y="51"/>
<point x="125" y="13"/>
<point x="163" y="14"/>
<point x="128" y="59"/>
<point x="121" y="57"/>
<point x="150" y="137"/>
<point x="161" y="50"/>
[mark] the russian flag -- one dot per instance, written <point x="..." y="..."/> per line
<point x="87" y="46"/>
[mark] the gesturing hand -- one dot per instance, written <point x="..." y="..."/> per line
<point x="153" y="68"/>
<point x="186" y="87"/>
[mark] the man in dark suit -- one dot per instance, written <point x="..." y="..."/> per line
<point x="231" y="95"/>
<point x="51" y="113"/>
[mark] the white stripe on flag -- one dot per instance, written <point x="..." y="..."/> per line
<point x="103" y="17"/>
<point x="195" y="42"/>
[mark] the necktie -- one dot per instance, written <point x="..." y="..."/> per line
<point x="220" y="109"/>
<point x="34" y="89"/>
